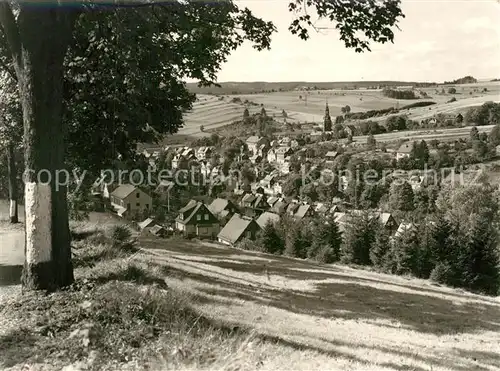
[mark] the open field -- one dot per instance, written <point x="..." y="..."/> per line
<point x="309" y="106"/>
<point x="443" y="135"/>
<point x="336" y="318"/>
<point x="211" y="112"/>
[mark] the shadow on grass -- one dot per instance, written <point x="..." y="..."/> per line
<point x="10" y="274"/>
<point x="256" y="263"/>
<point x="16" y="347"/>
<point x="132" y="273"/>
<point x="353" y="300"/>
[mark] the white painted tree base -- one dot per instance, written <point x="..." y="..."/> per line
<point x="38" y="206"/>
<point x="12" y="210"/>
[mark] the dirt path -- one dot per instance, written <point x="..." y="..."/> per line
<point x="355" y="317"/>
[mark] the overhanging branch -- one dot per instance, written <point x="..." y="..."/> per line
<point x="9" y="25"/>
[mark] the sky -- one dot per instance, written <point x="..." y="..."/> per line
<point x="439" y="40"/>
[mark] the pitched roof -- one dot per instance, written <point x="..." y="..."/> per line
<point x="331" y="154"/>
<point x="191" y="204"/>
<point x="124" y="190"/>
<point x="283" y="150"/>
<point x="157" y="229"/>
<point x="340" y="217"/>
<point x="404" y="227"/>
<point x="249" y="197"/>
<point x="279" y="207"/>
<point x="302" y="211"/>
<point x="146" y="223"/>
<point x="272" y="200"/>
<point x="235" y="228"/>
<point x="321" y="208"/>
<point x="405" y="148"/>
<point x="267" y="217"/>
<point x="292" y="208"/>
<point x="218" y="205"/>
<point x="253" y="139"/>
<point x="192" y="211"/>
<point x="384" y="218"/>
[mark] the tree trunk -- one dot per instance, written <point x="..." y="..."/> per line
<point x="38" y="41"/>
<point x="13" y="192"/>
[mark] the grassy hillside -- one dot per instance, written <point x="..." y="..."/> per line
<point x="193" y="306"/>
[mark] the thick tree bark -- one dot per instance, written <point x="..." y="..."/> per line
<point x="38" y="41"/>
<point x="13" y="191"/>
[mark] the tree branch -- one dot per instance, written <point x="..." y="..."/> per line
<point x="9" y="25"/>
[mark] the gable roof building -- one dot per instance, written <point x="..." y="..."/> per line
<point x="304" y="211"/>
<point x="222" y="208"/>
<point x="195" y="219"/>
<point x="404" y="150"/>
<point x="237" y="228"/>
<point x="130" y="201"/>
<point x="267" y="217"/>
<point x="149" y="222"/>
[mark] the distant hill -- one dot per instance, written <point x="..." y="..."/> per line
<point x="463" y="80"/>
<point x="233" y="88"/>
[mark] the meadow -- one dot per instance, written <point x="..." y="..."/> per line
<point x="191" y="305"/>
<point x="215" y="111"/>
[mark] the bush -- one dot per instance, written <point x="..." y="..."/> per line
<point x="121" y="237"/>
<point x="249" y="245"/>
<point x="443" y="273"/>
<point x="417" y="104"/>
<point x="326" y="254"/>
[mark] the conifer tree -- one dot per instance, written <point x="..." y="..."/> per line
<point x="271" y="240"/>
<point x="246" y="114"/>
<point x="359" y="236"/>
<point x="380" y="251"/>
<point x="327" y="120"/>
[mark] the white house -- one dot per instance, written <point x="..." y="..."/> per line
<point x="404" y="150"/>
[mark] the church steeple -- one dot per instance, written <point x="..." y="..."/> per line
<point x="327" y="121"/>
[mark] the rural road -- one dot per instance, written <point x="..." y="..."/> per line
<point x="11" y="247"/>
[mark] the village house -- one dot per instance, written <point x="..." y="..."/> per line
<point x="279" y="155"/>
<point x="238" y="228"/>
<point x="203" y="153"/>
<point x="304" y="211"/>
<point x="388" y="222"/>
<point x="188" y="153"/>
<point x="272" y="200"/>
<point x="254" y="142"/>
<point x="130" y="201"/>
<point x="158" y="231"/>
<point x="330" y="156"/>
<point x="148" y="223"/>
<point x="280" y="207"/>
<point x="254" y="204"/>
<point x="177" y="160"/>
<point x="404" y="150"/>
<point x="321" y="208"/>
<point x="405" y="227"/>
<point x="223" y="209"/>
<point x="196" y="220"/>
